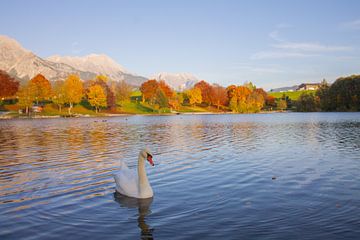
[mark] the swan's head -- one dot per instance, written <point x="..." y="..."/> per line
<point x="146" y="154"/>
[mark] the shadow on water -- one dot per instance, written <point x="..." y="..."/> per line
<point x="143" y="206"/>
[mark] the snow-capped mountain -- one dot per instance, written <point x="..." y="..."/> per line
<point x="99" y="64"/>
<point x="178" y="81"/>
<point x="24" y="64"/>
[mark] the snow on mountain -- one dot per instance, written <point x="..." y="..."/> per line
<point x="24" y="64"/>
<point x="98" y="63"/>
<point x="178" y="81"/>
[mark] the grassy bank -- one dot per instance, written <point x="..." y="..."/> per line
<point x="292" y="95"/>
<point x="128" y="107"/>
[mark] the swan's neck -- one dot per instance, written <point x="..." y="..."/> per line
<point x="144" y="186"/>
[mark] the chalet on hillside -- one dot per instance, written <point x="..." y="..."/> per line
<point x="308" y="86"/>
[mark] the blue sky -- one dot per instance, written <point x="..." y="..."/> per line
<point x="271" y="43"/>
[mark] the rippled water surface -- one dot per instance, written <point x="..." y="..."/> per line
<point x="264" y="176"/>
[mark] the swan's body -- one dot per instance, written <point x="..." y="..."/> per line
<point x="135" y="185"/>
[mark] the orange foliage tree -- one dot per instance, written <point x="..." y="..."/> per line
<point x="239" y="95"/>
<point x="206" y="91"/>
<point x="219" y="96"/>
<point x="166" y="89"/>
<point x="8" y="85"/>
<point x="245" y="100"/>
<point x="148" y="90"/>
<point x="40" y="88"/>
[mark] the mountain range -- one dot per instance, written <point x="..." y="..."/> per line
<point x="178" y="81"/>
<point x="24" y="65"/>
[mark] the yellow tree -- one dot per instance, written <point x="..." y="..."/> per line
<point x="103" y="78"/>
<point x="194" y="96"/>
<point x="40" y="87"/>
<point x="73" y="90"/>
<point x="97" y="97"/>
<point x="26" y="97"/>
<point x="59" y="94"/>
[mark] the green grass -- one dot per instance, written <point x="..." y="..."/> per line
<point x="136" y="108"/>
<point x="292" y="95"/>
<point x="136" y="94"/>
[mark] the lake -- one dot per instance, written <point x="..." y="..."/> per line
<point x="255" y="176"/>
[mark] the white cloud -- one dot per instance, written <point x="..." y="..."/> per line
<point x="288" y="49"/>
<point x="352" y="25"/>
<point x="279" y="55"/>
<point x="258" y="69"/>
<point x="310" y="47"/>
<point x="275" y="35"/>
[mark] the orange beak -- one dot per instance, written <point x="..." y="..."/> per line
<point x="150" y="160"/>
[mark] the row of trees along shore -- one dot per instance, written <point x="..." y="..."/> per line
<point x="104" y="94"/>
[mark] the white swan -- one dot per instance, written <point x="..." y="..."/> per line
<point x="135" y="185"/>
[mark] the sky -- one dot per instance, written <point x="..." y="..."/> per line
<point x="271" y="43"/>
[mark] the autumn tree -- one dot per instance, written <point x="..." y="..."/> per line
<point x="97" y="97"/>
<point x="73" y="90"/>
<point x="40" y="87"/>
<point x="270" y="102"/>
<point x="26" y="97"/>
<point x="239" y="99"/>
<point x="194" y="96"/>
<point x="148" y="90"/>
<point x="8" y="85"/>
<point x="123" y="91"/>
<point x="255" y="102"/>
<point x="175" y="101"/>
<point x="102" y="81"/>
<point x="206" y="91"/>
<point x="59" y="94"/>
<point x="219" y="96"/>
<point x="230" y="90"/>
<point x="166" y="89"/>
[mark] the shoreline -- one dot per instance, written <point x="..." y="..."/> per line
<point x="7" y="116"/>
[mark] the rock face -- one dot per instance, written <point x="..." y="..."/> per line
<point x="24" y="65"/>
<point x="178" y="81"/>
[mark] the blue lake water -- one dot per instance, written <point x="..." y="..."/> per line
<point x="256" y="176"/>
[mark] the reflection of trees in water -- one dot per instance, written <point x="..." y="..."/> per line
<point x="74" y="137"/>
<point x="143" y="206"/>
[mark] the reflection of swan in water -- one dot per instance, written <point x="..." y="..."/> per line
<point x="143" y="206"/>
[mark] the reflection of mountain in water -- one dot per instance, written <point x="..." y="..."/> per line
<point x="143" y="206"/>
